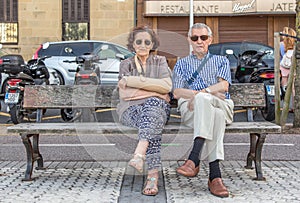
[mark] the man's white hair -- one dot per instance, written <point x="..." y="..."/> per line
<point x="200" y="26"/>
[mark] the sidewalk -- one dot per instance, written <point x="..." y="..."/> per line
<point x="113" y="182"/>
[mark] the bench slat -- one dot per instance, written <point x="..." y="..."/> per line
<point x="79" y="96"/>
<point x="67" y="96"/>
<point x="248" y="94"/>
<point x="116" y="128"/>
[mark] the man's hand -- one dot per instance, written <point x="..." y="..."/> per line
<point x="220" y="95"/>
<point x="191" y="104"/>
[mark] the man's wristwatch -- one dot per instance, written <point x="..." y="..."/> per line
<point x="207" y="90"/>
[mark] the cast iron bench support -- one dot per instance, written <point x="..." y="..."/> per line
<point x="254" y="155"/>
<point x="33" y="154"/>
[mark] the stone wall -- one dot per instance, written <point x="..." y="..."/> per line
<point x="40" y="21"/>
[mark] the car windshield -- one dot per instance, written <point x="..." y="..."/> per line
<point x="111" y="51"/>
<point x="240" y="47"/>
<point x="262" y="48"/>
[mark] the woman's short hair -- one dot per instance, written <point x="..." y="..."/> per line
<point x="144" y="28"/>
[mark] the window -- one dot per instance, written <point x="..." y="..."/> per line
<point x="9" y="21"/>
<point x="76" y="19"/>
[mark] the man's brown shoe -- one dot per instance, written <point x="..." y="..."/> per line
<point x="217" y="188"/>
<point x="188" y="169"/>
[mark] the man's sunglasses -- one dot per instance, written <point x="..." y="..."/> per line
<point x="195" y="38"/>
<point x="146" y="42"/>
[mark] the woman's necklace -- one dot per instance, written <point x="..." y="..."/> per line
<point x="141" y="66"/>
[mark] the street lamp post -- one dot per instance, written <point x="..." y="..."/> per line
<point x="191" y="17"/>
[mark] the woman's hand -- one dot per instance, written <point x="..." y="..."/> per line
<point x="165" y="97"/>
<point x="122" y="83"/>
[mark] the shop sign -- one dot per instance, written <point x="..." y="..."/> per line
<point x="181" y="8"/>
<point x="244" y="6"/>
<point x="287" y="6"/>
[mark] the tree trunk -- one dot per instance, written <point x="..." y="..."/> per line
<point x="296" y="123"/>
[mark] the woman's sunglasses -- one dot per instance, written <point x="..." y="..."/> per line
<point x="146" y="42"/>
<point x="195" y="38"/>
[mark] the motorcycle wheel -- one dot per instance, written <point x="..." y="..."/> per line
<point x="16" y="115"/>
<point x="268" y="112"/>
<point x="68" y="115"/>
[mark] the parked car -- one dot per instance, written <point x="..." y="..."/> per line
<point x="109" y="59"/>
<point x="239" y="48"/>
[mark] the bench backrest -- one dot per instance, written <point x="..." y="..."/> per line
<point x="79" y="96"/>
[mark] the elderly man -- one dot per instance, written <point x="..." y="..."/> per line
<point x="200" y="83"/>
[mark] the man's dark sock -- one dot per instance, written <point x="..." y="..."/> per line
<point x="214" y="170"/>
<point x="197" y="147"/>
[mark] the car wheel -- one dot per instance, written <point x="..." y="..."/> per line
<point x="60" y="78"/>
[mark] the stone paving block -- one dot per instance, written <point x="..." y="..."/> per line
<point x="78" y="183"/>
<point x="240" y="184"/>
<point x="62" y="185"/>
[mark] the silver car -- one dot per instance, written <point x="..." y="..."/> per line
<point x="110" y="58"/>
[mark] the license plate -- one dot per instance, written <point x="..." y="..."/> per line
<point x="11" y="98"/>
<point x="270" y="90"/>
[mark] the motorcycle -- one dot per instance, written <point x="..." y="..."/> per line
<point x="20" y="75"/>
<point x="252" y="69"/>
<point x="87" y="73"/>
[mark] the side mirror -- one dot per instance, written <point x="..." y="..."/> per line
<point x="68" y="50"/>
<point x="269" y="52"/>
<point x="120" y="56"/>
<point x="45" y="45"/>
<point x="104" y="47"/>
<point x="229" y="51"/>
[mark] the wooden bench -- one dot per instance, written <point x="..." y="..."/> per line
<point x="248" y="96"/>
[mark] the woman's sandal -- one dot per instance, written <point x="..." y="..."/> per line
<point x="150" y="185"/>
<point x="137" y="162"/>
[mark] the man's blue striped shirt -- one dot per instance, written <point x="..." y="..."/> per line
<point x="216" y="67"/>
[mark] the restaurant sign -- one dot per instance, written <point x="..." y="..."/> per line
<point x="244" y="6"/>
<point x="178" y="8"/>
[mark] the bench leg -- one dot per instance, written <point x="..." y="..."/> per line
<point x="32" y="153"/>
<point x="258" y="167"/>
<point x="251" y="154"/>
<point x="36" y="152"/>
<point x="256" y="144"/>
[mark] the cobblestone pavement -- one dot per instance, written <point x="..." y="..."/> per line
<point x="112" y="182"/>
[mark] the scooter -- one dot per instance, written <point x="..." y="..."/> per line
<point x="20" y="75"/>
<point x="87" y="73"/>
<point x="252" y="69"/>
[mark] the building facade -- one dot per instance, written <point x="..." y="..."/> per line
<point x="230" y="20"/>
<point x="40" y="21"/>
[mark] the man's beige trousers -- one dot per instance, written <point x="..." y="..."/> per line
<point x="209" y="120"/>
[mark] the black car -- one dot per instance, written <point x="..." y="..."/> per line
<point x="239" y="48"/>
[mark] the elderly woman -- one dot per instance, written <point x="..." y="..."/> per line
<point x="144" y="84"/>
